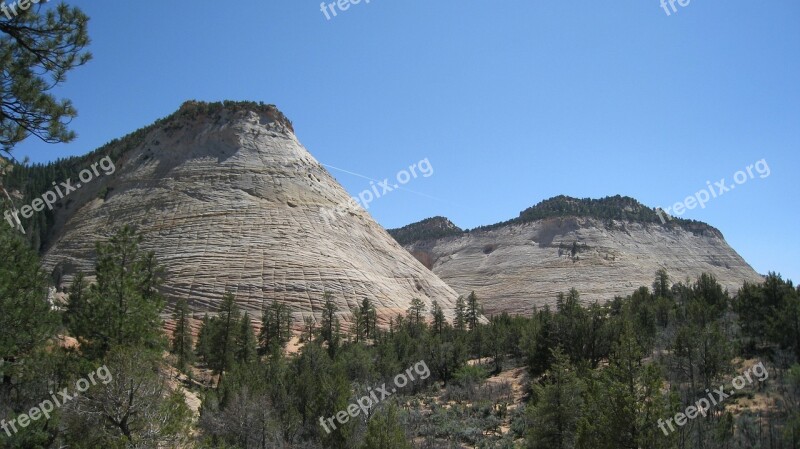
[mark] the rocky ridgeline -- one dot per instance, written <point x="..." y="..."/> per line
<point x="603" y="248"/>
<point x="229" y="200"/>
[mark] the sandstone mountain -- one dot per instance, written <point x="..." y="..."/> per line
<point x="602" y="248"/>
<point x="229" y="200"/>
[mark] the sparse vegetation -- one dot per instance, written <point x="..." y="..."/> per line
<point x="617" y="207"/>
<point x="428" y="229"/>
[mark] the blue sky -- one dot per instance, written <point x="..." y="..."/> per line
<point x="511" y="102"/>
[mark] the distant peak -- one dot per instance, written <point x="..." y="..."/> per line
<point x="618" y="207"/>
<point x="189" y="111"/>
<point x="615" y="207"/>
<point x="429" y="228"/>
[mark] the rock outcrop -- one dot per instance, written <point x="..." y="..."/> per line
<point x="603" y="248"/>
<point x="229" y="200"/>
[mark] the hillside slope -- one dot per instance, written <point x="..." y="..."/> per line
<point x="603" y="248"/>
<point x="229" y="199"/>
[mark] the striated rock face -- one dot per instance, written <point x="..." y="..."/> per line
<point x="230" y="200"/>
<point x="515" y="266"/>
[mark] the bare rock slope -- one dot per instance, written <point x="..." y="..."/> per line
<point x="229" y="200"/>
<point x="603" y="248"/>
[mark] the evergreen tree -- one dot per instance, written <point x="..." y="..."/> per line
<point x="363" y="320"/>
<point x="598" y="335"/>
<point x="36" y="52"/>
<point x="387" y="363"/>
<point x="309" y="329"/>
<point x="701" y="349"/>
<point x="572" y="325"/>
<point x="624" y="401"/>
<point x="438" y="318"/>
<point x="330" y="328"/>
<point x="369" y="318"/>
<point x="76" y="309"/>
<point x="26" y="320"/>
<point x="182" y="337"/>
<point x="358" y="324"/>
<point x="123" y="308"/>
<point x="540" y="342"/>
<point x="770" y="313"/>
<point x="661" y="285"/>
<point x="787" y="326"/>
<point x="320" y="389"/>
<point x="222" y="336"/>
<point x="203" y="347"/>
<point x="246" y="346"/>
<point x="474" y="311"/>
<point x="497" y="334"/>
<point x="276" y="328"/>
<point x="416" y="311"/>
<point x="558" y="407"/>
<point x="707" y="302"/>
<point x="444" y="358"/>
<point x="460" y="319"/>
<point x="385" y="431"/>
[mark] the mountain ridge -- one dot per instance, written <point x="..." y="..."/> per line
<point x="603" y="248"/>
<point x="615" y="207"/>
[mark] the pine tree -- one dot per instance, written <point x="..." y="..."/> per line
<point x="787" y="328"/>
<point x="370" y="318"/>
<point x="246" y="346"/>
<point x="320" y="389"/>
<point x="203" y="347"/>
<point x="309" y="329"/>
<point x="661" y="285"/>
<point x="770" y="312"/>
<point x="415" y="312"/>
<point x="438" y="318"/>
<point x="498" y="333"/>
<point x="625" y="402"/>
<point x="459" y="322"/>
<point x="558" y="407"/>
<point x="222" y="339"/>
<point x="474" y="311"/>
<point x="571" y="325"/>
<point x="77" y="303"/>
<point x="541" y="342"/>
<point x="276" y="328"/>
<point x="385" y="431"/>
<point x="37" y="50"/>
<point x="123" y="308"/>
<point x="330" y="323"/>
<point x="358" y="324"/>
<point x="26" y="319"/>
<point x="182" y="337"/>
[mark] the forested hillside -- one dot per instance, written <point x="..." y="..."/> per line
<point x="603" y="375"/>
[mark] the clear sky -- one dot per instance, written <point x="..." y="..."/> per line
<point x="510" y="101"/>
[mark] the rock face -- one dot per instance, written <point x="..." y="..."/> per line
<point x="229" y="200"/>
<point x="520" y="264"/>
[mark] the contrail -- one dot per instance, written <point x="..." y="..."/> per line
<point x="376" y="181"/>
